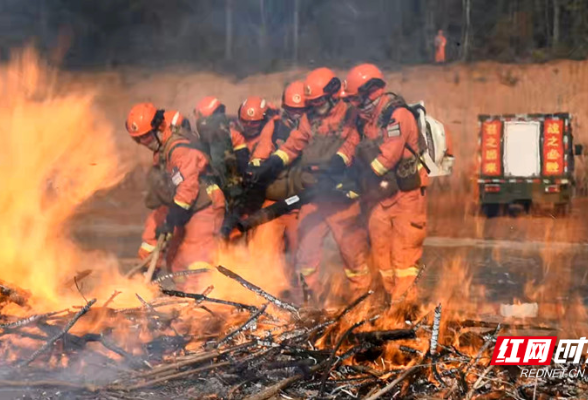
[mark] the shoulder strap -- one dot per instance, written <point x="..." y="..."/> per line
<point x="174" y="142"/>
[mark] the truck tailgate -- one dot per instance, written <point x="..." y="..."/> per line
<point x="522" y="152"/>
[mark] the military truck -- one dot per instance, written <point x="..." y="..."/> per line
<point x="526" y="159"/>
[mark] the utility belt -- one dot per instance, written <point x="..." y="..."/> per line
<point x="161" y="189"/>
<point x="405" y="177"/>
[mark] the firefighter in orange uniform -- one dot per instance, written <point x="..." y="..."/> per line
<point x="394" y="180"/>
<point x="210" y="115"/>
<point x="440" y="43"/>
<point x="184" y="200"/>
<point x="326" y="136"/>
<point x="274" y="134"/>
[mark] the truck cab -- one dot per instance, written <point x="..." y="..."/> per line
<point x="526" y="159"/>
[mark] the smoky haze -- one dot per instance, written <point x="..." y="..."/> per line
<point x="110" y="33"/>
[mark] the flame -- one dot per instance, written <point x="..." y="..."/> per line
<point x="57" y="151"/>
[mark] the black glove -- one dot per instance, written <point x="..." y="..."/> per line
<point x="372" y="179"/>
<point x="336" y="168"/>
<point x="176" y="217"/>
<point x="336" y="164"/>
<point x="242" y="156"/>
<point x="265" y="173"/>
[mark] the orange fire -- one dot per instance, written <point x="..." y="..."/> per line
<point x="57" y="151"/>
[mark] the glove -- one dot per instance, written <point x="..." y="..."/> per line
<point x="336" y="168"/>
<point x="176" y="217"/>
<point x="373" y="180"/>
<point x="336" y="164"/>
<point x="266" y="172"/>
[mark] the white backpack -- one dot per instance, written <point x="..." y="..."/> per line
<point x="433" y="133"/>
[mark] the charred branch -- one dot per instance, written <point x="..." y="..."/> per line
<point x="55" y="338"/>
<point x="380" y="337"/>
<point x="201" y="297"/>
<point x="257" y="290"/>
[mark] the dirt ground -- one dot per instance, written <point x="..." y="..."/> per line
<point x="508" y="255"/>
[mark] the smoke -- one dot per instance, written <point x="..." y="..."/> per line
<point x="156" y="32"/>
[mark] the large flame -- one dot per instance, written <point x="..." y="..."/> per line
<point x="57" y="151"/>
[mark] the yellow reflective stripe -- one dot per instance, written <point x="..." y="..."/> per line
<point x="175" y="118"/>
<point x="185" y="206"/>
<point x="256" y="162"/>
<point x="364" y="270"/>
<point x="403" y="273"/>
<point x="283" y="155"/>
<point x="147" y="247"/>
<point x="199" y="265"/>
<point x="344" y="157"/>
<point x="239" y="147"/>
<point x="212" y="188"/>
<point x="387" y="273"/>
<point x="378" y="167"/>
<point x="307" y="271"/>
<point x="352" y="195"/>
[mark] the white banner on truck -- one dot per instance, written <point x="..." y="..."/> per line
<point x="522" y="155"/>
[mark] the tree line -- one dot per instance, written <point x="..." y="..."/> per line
<point x="268" y="35"/>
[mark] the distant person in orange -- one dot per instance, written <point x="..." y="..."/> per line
<point x="181" y="194"/>
<point x="440" y="43"/>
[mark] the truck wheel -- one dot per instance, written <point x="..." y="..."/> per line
<point x="491" y="210"/>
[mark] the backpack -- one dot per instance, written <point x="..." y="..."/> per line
<point x="434" y="137"/>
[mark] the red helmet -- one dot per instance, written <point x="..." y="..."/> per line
<point x="293" y="96"/>
<point x="141" y="118"/>
<point x="321" y="82"/>
<point x="364" y="79"/>
<point x="253" y="109"/>
<point x="207" y="106"/>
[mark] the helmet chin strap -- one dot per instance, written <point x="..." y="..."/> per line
<point x="368" y="106"/>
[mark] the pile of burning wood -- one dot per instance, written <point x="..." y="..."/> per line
<point x="198" y="346"/>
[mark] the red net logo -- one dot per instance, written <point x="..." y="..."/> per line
<point x="523" y="350"/>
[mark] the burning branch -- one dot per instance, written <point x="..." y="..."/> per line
<point x="250" y="321"/>
<point x="29" y="320"/>
<point x="201" y="297"/>
<point x="187" y="272"/>
<point x="257" y="290"/>
<point x="55" y="338"/>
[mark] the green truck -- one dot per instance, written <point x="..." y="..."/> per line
<point x="526" y="159"/>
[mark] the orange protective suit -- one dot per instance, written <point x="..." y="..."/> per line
<point x="194" y="245"/>
<point x="270" y="236"/>
<point x="440" y="43"/>
<point x="397" y="224"/>
<point x="318" y="218"/>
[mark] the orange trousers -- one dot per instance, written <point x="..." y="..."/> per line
<point x="397" y="229"/>
<point x="440" y="54"/>
<point x="344" y="221"/>
<point x="195" y="245"/>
